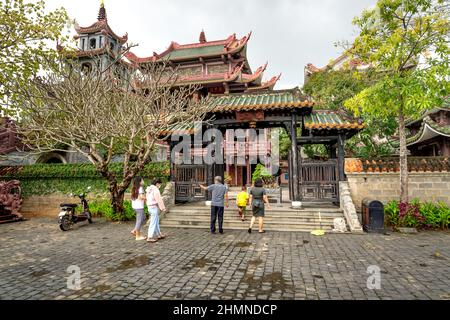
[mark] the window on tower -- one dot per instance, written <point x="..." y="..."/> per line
<point x="93" y="43"/>
<point x="100" y="40"/>
<point x="83" y="44"/>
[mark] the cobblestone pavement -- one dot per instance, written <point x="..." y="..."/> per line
<point x="192" y="264"/>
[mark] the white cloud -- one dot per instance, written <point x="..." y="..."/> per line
<point x="287" y="33"/>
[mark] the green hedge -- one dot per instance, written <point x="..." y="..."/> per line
<point x="154" y="169"/>
<point x="44" y="179"/>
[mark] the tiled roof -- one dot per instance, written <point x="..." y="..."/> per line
<point x="392" y="164"/>
<point x="428" y="129"/>
<point x="323" y="119"/>
<point x="177" y="51"/>
<point x="101" y="26"/>
<point x="282" y="99"/>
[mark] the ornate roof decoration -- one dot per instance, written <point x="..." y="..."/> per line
<point x="273" y="100"/>
<point x="256" y="76"/>
<point x="102" y="12"/>
<point x="343" y="58"/>
<point x="176" y="52"/>
<point x="268" y="85"/>
<point x="202" y="38"/>
<point x="428" y="130"/>
<point x="101" y="26"/>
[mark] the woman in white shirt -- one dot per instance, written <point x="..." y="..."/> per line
<point x="137" y="202"/>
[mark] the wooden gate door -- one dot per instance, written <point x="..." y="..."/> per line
<point x="319" y="181"/>
<point x="187" y="180"/>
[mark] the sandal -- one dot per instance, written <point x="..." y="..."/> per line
<point x="133" y="232"/>
<point x="264" y="231"/>
<point x="162" y="236"/>
<point x="151" y="240"/>
<point x="141" y="238"/>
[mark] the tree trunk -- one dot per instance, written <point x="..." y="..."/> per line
<point x="116" y="194"/>
<point x="117" y="203"/>
<point x="403" y="158"/>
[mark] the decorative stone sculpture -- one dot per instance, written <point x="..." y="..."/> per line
<point x="11" y="199"/>
<point x="339" y="225"/>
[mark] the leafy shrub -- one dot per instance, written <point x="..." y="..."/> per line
<point x="102" y="208"/>
<point x="391" y="212"/>
<point x="417" y="214"/>
<point x="261" y="172"/>
<point x="409" y="215"/>
<point x="78" y="170"/>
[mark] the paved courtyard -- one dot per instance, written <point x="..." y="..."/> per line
<point x="192" y="264"/>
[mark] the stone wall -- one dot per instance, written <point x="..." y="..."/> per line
<point x="48" y="206"/>
<point x="384" y="186"/>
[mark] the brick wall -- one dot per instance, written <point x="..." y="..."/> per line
<point x="384" y="186"/>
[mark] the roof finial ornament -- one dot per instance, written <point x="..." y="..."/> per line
<point x="202" y="37"/>
<point x="102" y="11"/>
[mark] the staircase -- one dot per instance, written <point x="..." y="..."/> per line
<point x="276" y="218"/>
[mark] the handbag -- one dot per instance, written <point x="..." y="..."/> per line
<point x="257" y="203"/>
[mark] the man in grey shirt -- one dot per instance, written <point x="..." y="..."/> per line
<point x="219" y="195"/>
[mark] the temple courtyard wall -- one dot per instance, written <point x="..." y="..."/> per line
<point x="384" y="186"/>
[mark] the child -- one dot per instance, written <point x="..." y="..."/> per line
<point x="242" y="201"/>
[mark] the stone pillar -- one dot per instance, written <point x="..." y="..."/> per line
<point x="341" y="157"/>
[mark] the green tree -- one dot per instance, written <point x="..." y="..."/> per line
<point x="407" y="40"/>
<point x="26" y="32"/>
<point x="331" y="88"/>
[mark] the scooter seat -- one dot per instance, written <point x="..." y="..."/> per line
<point x="68" y="205"/>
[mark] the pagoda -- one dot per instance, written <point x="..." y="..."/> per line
<point x="430" y="134"/>
<point x="240" y="99"/>
<point x="98" y="43"/>
<point x="218" y="66"/>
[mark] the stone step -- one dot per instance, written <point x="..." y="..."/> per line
<point x="270" y="215"/>
<point x="272" y="209"/>
<point x="301" y="227"/>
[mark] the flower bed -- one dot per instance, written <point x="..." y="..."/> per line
<point x="416" y="214"/>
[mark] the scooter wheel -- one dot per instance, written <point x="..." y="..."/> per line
<point x="64" y="224"/>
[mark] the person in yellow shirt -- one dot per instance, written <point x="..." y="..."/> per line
<point x="242" y="201"/>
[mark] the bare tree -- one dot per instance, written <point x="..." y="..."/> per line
<point x="105" y="112"/>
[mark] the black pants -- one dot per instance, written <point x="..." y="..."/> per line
<point x="216" y="211"/>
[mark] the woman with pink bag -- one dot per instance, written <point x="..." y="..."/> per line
<point x="155" y="204"/>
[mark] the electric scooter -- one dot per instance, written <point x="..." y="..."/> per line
<point x="68" y="216"/>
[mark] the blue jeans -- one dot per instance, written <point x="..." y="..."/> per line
<point x="153" y="229"/>
<point x="216" y="212"/>
<point x="140" y="219"/>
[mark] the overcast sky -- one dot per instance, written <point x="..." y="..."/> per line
<point x="286" y="33"/>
